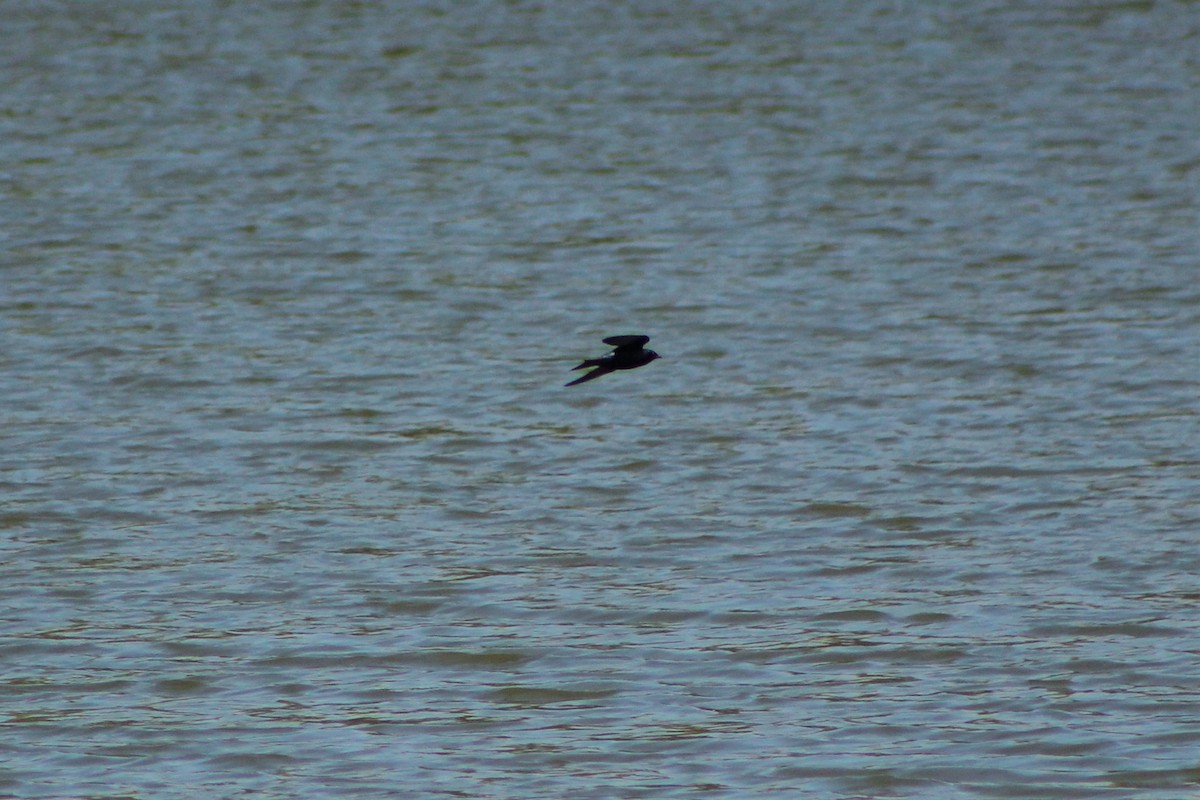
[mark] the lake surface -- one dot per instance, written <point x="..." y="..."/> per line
<point x="294" y="501"/>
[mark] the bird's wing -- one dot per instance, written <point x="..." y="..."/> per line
<point x="627" y="342"/>
<point x="596" y="373"/>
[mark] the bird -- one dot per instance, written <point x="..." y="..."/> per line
<point x="629" y="354"/>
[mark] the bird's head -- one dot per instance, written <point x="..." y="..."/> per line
<point x="653" y="355"/>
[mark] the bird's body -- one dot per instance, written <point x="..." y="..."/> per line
<point x="629" y="354"/>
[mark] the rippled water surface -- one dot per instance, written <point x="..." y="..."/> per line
<point x="295" y="503"/>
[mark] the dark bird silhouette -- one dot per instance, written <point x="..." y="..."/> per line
<point x="628" y="354"/>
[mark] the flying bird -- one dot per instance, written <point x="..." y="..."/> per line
<point x="629" y="354"/>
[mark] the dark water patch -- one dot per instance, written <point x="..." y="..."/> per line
<point x="528" y="696"/>
<point x="837" y="510"/>
<point x="1101" y="630"/>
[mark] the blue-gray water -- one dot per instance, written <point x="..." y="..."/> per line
<point x="295" y="503"/>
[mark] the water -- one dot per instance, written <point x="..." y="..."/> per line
<point x="295" y="503"/>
